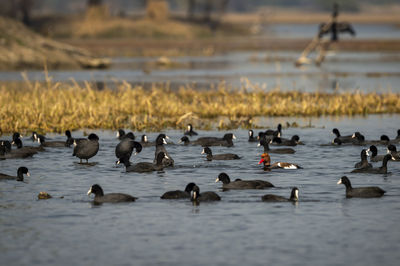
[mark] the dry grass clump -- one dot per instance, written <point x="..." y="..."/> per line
<point x="54" y="107"/>
<point x="157" y="9"/>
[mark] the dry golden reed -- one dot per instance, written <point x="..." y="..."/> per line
<point x="55" y="107"/>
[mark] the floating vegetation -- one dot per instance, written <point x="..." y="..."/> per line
<point x="55" y="107"/>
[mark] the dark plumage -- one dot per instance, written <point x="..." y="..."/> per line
<point x="190" y="131"/>
<point x="364" y="160"/>
<point x="100" y="197"/>
<point x="86" y="148"/>
<point x="392" y="150"/>
<point x="179" y="194"/>
<point x="377" y="170"/>
<point x="125" y="148"/>
<point x="251" y="136"/>
<point x="226" y="156"/>
<point x="20" y="152"/>
<point x="275" y="133"/>
<point x="144" y="167"/>
<point x="226" y="140"/>
<point x="167" y="161"/>
<point x="185" y="140"/>
<point x="35" y="136"/>
<point x="241" y="184"/>
<point x="342" y="139"/>
<point x="294" y="196"/>
<point x="335" y="28"/>
<point x="374" y="154"/>
<point x="70" y="139"/>
<point x="264" y="143"/>
<point x="286" y="142"/>
<point x="5" y="147"/>
<point x="196" y="196"/>
<point x="20" y="174"/>
<point x="54" y="144"/>
<point x="358" y="139"/>
<point x="361" y="192"/>
<point x="120" y="134"/>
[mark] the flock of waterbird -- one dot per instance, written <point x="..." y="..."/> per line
<point x="86" y="148"/>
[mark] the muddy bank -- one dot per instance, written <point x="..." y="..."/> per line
<point x="20" y="48"/>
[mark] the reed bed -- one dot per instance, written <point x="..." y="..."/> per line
<point x="55" y="107"/>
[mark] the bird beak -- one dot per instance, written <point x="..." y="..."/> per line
<point x="339" y="182"/>
<point x="261" y="161"/>
<point x="217" y="180"/>
<point x="233" y="137"/>
<point x="90" y="191"/>
<point x="28" y="174"/>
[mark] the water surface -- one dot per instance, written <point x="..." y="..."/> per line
<point x="324" y="228"/>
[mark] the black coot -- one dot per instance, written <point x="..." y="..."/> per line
<point x="225" y="156"/>
<point x="374" y="154"/>
<point x="160" y="141"/>
<point x="358" y="139"/>
<point x="392" y="150"/>
<point x="70" y="139"/>
<point x="20" y="174"/>
<point x="185" y="140"/>
<point x="53" y="144"/>
<point x="294" y="197"/>
<point x="179" y="194"/>
<point x="241" y="184"/>
<point x="343" y="139"/>
<point x="361" y="192"/>
<point x="144" y="167"/>
<point x="100" y="197"/>
<point x="125" y="148"/>
<point x="251" y="136"/>
<point x="226" y="140"/>
<point x="86" y="148"/>
<point x="378" y="170"/>
<point x="196" y="196"/>
<point x="190" y="131"/>
<point x="364" y="160"/>
<point x="264" y="142"/>
<point x="286" y="142"/>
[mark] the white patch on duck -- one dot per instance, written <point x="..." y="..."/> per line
<point x="287" y="166"/>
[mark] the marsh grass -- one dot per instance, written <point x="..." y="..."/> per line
<point x="55" y="107"/>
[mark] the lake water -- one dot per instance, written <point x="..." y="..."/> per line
<point x="324" y="228"/>
<point x="346" y="71"/>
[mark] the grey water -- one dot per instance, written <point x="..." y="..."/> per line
<point x="342" y="71"/>
<point x="323" y="228"/>
<point x="363" y="31"/>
